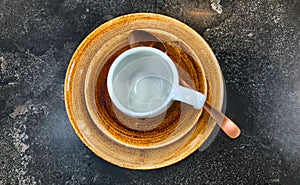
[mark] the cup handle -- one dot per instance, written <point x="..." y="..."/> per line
<point x="189" y="96"/>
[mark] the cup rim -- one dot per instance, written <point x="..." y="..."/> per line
<point x="168" y="100"/>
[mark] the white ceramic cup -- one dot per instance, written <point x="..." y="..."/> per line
<point x="143" y="82"/>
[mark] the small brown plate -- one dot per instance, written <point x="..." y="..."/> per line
<point x="131" y="142"/>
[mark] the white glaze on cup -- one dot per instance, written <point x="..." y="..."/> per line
<point x="143" y="82"/>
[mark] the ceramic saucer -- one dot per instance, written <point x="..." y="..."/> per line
<point x="141" y="143"/>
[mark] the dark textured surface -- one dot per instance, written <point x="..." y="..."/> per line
<point x="256" y="42"/>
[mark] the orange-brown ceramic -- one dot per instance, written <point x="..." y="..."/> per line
<point x="131" y="142"/>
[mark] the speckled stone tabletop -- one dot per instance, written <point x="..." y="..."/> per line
<point x="256" y="43"/>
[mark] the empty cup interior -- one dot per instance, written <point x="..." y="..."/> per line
<point x="142" y="83"/>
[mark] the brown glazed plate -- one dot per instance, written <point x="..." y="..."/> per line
<point x="131" y="142"/>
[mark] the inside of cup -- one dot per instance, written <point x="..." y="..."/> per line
<point x="142" y="84"/>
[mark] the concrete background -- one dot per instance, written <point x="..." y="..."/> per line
<point x="256" y="43"/>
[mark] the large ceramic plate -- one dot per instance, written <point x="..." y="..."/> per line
<point x="130" y="142"/>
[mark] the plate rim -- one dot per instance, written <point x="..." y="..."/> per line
<point x="80" y="49"/>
